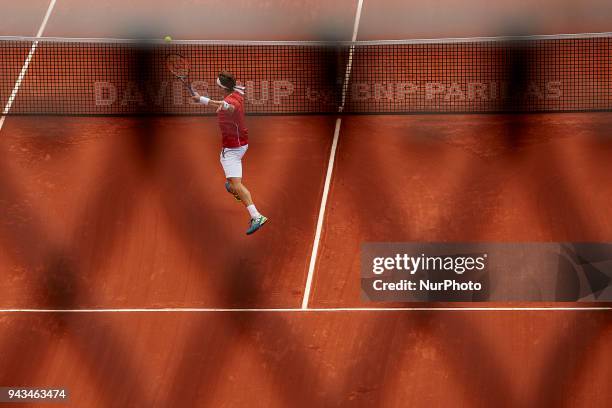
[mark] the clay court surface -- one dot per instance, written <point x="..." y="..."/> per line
<point x="126" y="276"/>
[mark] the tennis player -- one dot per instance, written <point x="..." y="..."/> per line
<point x="235" y="139"/>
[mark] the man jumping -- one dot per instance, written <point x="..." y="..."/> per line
<point x="235" y="139"/>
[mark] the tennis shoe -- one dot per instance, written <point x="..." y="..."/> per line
<point x="256" y="223"/>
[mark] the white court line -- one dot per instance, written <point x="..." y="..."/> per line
<point x="349" y="65"/>
<point x="317" y="239"/>
<point x="24" y="69"/>
<point x="357" y="20"/>
<point x="314" y="310"/>
<point x="330" y="166"/>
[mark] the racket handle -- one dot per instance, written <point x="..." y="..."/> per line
<point x="189" y="88"/>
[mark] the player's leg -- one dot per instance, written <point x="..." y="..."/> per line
<point x="236" y="186"/>
<point x="228" y="187"/>
<point x="257" y="220"/>
<point x="231" y="160"/>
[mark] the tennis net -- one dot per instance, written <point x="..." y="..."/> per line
<point x="123" y="77"/>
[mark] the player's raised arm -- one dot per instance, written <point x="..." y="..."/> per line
<point x="220" y="105"/>
<point x="200" y="99"/>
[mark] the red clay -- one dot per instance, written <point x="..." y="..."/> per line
<point x="441" y="178"/>
<point x="391" y="359"/>
<point x="126" y="213"/>
<point x="121" y="213"/>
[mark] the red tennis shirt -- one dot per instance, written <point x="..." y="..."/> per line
<point x="233" y="129"/>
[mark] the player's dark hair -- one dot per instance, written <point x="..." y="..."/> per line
<point x="227" y="79"/>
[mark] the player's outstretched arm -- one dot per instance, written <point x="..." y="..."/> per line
<point x="201" y="99"/>
<point x="220" y="105"/>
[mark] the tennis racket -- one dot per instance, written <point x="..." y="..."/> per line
<point x="180" y="67"/>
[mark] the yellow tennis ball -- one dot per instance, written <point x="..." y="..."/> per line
<point x="167" y="38"/>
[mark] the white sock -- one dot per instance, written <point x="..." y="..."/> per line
<point x="253" y="211"/>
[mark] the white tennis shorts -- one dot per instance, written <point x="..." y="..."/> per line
<point x="231" y="160"/>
